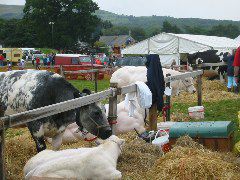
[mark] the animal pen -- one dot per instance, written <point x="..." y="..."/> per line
<point x="35" y="114"/>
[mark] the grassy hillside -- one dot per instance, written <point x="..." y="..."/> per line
<point x="157" y="21"/>
<point x="10" y="11"/>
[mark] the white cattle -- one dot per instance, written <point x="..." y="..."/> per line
<point x="178" y="86"/>
<point x="128" y="75"/>
<point x="125" y="123"/>
<point x="83" y="163"/>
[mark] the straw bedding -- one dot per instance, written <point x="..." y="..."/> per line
<point x="139" y="160"/>
<point x="189" y="160"/>
<point x="136" y="159"/>
<point x="212" y="91"/>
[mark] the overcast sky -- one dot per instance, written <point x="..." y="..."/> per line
<point x="207" y="9"/>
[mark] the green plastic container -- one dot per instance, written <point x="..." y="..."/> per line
<point x="209" y="129"/>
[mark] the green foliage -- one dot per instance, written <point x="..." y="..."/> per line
<point x="169" y="28"/>
<point x="231" y="31"/>
<point x="81" y="84"/>
<point x="154" y="31"/>
<point x="101" y="47"/>
<point x="116" y="30"/>
<point x="73" y="20"/>
<point x="17" y="33"/>
<point x="11" y="11"/>
<point x="48" y="50"/>
<point x="195" y="30"/>
<point x="79" y="19"/>
<point x="138" y="33"/>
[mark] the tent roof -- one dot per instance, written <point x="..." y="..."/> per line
<point x="115" y="40"/>
<point x="237" y="39"/>
<point x="168" y="43"/>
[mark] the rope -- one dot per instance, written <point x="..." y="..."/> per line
<point x="98" y="127"/>
<point x="164" y="111"/>
<point x="90" y="140"/>
<point x="112" y="122"/>
<point x="145" y="118"/>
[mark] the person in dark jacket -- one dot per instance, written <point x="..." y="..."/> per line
<point x="229" y="59"/>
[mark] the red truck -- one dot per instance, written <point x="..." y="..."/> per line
<point x="75" y="62"/>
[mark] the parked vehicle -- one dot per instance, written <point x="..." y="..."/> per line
<point x="75" y="62"/>
<point x="11" y="54"/>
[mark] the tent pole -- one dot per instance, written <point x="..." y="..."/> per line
<point x="148" y="46"/>
<point x="179" y="63"/>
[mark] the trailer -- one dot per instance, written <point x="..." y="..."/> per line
<point x="11" y="54"/>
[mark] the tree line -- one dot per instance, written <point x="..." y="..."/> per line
<point x="58" y="24"/>
<point x="62" y="24"/>
<point x="138" y="33"/>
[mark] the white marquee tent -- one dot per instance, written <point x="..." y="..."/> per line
<point x="169" y="45"/>
<point x="238" y="39"/>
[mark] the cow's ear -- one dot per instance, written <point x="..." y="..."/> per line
<point x="86" y="91"/>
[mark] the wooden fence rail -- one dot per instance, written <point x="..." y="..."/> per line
<point x="212" y="64"/>
<point x="33" y="115"/>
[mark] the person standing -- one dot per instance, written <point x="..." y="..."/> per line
<point x="229" y="59"/>
<point x="53" y="59"/>
<point x="37" y="63"/>
<point x="22" y="63"/>
<point x="236" y="65"/>
<point x="9" y="65"/>
<point x="1" y="59"/>
<point x="33" y="59"/>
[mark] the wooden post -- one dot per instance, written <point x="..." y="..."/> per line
<point x="62" y="71"/>
<point x="199" y="90"/>
<point x="153" y="118"/>
<point x="2" y="157"/>
<point x="112" y="113"/>
<point x="168" y="101"/>
<point x="2" y="146"/>
<point x="96" y="81"/>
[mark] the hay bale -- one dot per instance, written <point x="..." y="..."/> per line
<point x="18" y="150"/>
<point x="137" y="157"/>
<point x="190" y="160"/>
<point x="187" y="141"/>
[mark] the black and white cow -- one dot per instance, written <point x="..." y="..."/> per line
<point x="210" y="56"/>
<point x="30" y="89"/>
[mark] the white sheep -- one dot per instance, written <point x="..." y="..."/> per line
<point x="83" y="163"/>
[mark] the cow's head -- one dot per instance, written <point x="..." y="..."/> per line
<point x="94" y="120"/>
<point x="188" y="85"/>
<point x="199" y="61"/>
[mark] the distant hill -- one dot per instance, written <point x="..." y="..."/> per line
<point x="157" y="21"/>
<point x="11" y="11"/>
<point x="147" y="22"/>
